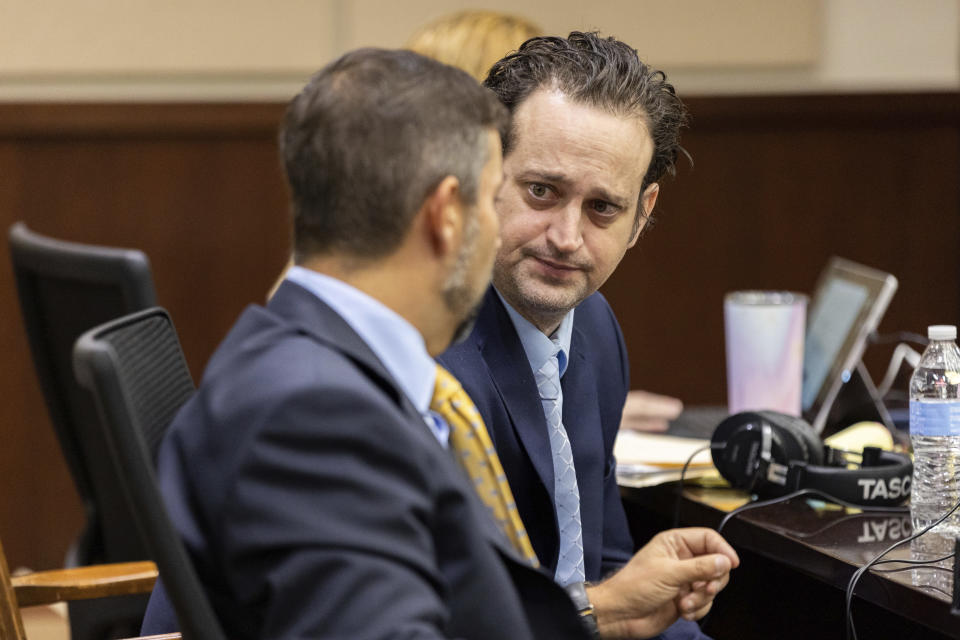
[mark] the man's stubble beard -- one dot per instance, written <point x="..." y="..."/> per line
<point x="457" y="294"/>
<point x="530" y="297"/>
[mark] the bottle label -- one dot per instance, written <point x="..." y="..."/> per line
<point x="934" y="418"/>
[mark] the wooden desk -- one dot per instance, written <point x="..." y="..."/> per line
<point x="796" y="561"/>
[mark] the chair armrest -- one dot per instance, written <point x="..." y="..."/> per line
<point x="78" y="583"/>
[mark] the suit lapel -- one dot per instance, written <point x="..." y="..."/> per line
<point x="581" y="409"/>
<point x="510" y="373"/>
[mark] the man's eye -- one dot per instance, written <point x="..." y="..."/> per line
<point x="538" y="190"/>
<point x="601" y="206"/>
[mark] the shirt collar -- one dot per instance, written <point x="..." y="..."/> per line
<point x="396" y="342"/>
<point x="538" y="347"/>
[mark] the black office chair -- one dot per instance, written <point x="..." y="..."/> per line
<point x="66" y="288"/>
<point x="137" y="373"/>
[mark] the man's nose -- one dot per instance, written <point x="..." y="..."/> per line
<point x="565" y="230"/>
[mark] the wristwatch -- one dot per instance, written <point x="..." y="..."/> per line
<point x="578" y="593"/>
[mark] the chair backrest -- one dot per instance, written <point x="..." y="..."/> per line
<point x="66" y="288"/>
<point x="139" y="378"/>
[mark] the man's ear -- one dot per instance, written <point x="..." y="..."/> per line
<point x="443" y="216"/>
<point x="648" y="201"/>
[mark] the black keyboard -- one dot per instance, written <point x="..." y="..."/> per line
<point x="697" y="422"/>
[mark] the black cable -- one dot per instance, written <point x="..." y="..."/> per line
<point x="913" y="568"/>
<point x="805" y="492"/>
<point x="790" y="496"/>
<point x="683" y="473"/>
<point x="914" y="562"/>
<point x="829" y="525"/>
<point x="917" y="562"/>
<point x="851" y="632"/>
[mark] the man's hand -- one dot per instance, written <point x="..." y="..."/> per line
<point x="676" y="574"/>
<point x="645" y="411"/>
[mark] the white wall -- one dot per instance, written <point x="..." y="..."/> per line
<point x="258" y="50"/>
<point x="866" y="45"/>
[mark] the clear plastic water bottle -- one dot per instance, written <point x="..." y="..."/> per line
<point x="935" y="435"/>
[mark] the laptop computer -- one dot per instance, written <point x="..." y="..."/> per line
<point x="846" y="307"/>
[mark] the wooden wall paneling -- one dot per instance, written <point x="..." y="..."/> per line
<point x="37" y="498"/>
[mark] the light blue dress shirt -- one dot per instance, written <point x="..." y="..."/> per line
<point x="396" y="342"/>
<point x="536" y="344"/>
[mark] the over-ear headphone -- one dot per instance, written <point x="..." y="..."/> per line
<point x="773" y="454"/>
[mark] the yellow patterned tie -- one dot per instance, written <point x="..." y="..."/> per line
<point x="474" y="450"/>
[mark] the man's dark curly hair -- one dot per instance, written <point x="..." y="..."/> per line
<point x="600" y="72"/>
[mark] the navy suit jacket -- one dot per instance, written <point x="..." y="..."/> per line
<point x="316" y="503"/>
<point x="493" y="368"/>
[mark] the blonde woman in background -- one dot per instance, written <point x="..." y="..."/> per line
<point x="473" y="40"/>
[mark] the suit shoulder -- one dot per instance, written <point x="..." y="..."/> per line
<point x="596" y="329"/>
<point x="596" y="305"/>
<point x="460" y="357"/>
<point x="271" y="380"/>
<point x="595" y="316"/>
<point x="296" y="399"/>
<point x="274" y="376"/>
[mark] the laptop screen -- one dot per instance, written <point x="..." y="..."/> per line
<point x="847" y="305"/>
<point x="827" y="327"/>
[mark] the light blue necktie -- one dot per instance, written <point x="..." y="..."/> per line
<point x="566" y="493"/>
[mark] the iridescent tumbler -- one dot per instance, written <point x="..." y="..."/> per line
<point x="764" y="340"/>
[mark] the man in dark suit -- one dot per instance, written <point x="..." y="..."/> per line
<point x="594" y="130"/>
<point x="318" y="493"/>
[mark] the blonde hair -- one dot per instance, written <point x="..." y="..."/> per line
<point x="473" y="40"/>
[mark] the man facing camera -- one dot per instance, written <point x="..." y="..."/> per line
<point x="329" y="480"/>
<point x="593" y="132"/>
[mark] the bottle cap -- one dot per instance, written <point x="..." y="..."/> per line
<point x="942" y="332"/>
